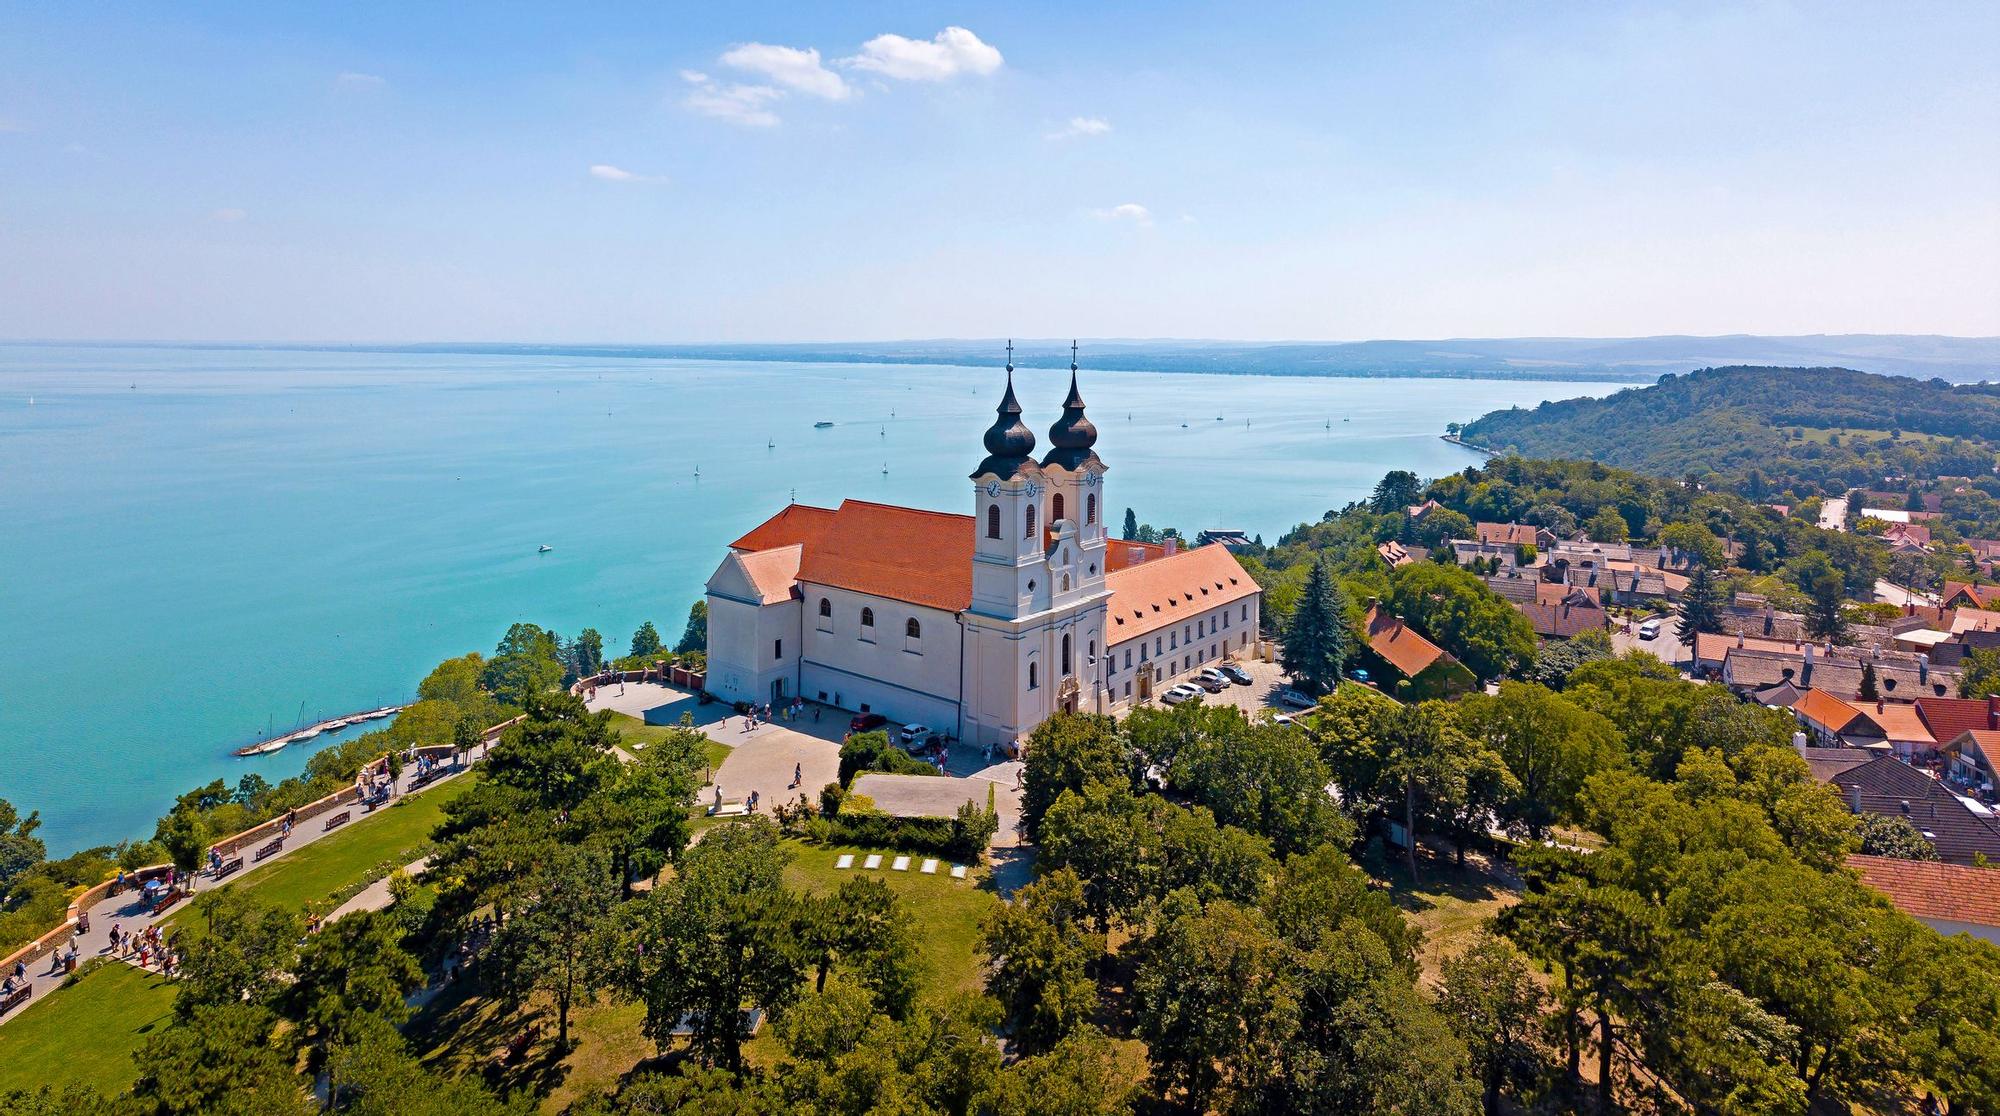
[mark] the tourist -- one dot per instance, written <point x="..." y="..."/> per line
<point x="119" y="884"/>
<point x="82" y="922"/>
<point x="815" y="714"/>
<point x="798" y="773"/>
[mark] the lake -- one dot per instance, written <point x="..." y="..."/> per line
<point x="198" y="544"/>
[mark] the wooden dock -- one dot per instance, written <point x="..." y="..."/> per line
<point x="331" y="724"/>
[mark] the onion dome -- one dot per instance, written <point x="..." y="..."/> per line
<point x="1073" y="435"/>
<point x="1010" y="445"/>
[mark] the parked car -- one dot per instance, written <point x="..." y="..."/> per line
<point x="1212" y="680"/>
<point x="1650" y="629"/>
<point x="1237" y="674"/>
<point x="1181" y="693"/>
<point x="1284" y="719"/>
<point x="915" y="737"/>
<point x="1295" y="698"/>
<point x="864" y="722"/>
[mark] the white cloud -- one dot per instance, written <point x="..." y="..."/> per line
<point x="609" y="173"/>
<point x="953" y="52"/>
<point x="1082" y="126"/>
<point x="748" y="105"/>
<point x="1129" y="211"/>
<point x="791" y="67"/>
<point x="358" y="81"/>
<point x="228" y="216"/>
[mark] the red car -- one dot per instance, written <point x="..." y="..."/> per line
<point x="864" y="722"/>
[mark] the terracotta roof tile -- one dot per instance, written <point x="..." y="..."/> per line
<point x="1122" y="553"/>
<point x="798" y="523"/>
<point x="1823" y="708"/>
<point x="902" y="554"/>
<point x="1399" y="645"/>
<point x="1162" y="592"/>
<point x="1506" y="534"/>
<point x="1929" y="889"/>
<point x="774" y="573"/>
<point x="1946" y="717"/>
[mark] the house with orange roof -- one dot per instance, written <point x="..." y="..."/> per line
<point x="1961" y="594"/>
<point x="1405" y="656"/>
<point x="982" y="625"/>
<point x="1949" y="898"/>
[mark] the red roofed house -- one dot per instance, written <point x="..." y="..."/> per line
<point x="1564" y="613"/>
<point x="1516" y="534"/>
<point x="978" y="625"/>
<point x="1408" y="656"/>
<point x="1949" y="898"/>
<point x="1959" y="594"/>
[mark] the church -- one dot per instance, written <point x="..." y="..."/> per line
<point x="980" y="626"/>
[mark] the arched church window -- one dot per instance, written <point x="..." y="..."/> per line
<point x="1065" y="583"/>
<point x="1056" y="508"/>
<point x="825" y="607"/>
<point x="1065" y="654"/>
<point x="992" y="521"/>
<point x="1030" y="532"/>
<point x="1032" y="681"/>
<point x="913" y="629"/>
<point x="867" y="617"/>
<point x="1090" y="507"/>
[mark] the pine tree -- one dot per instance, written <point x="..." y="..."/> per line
<point x="1701" y="606"/>
<point x="1131" y="525"/>
<point x="1317" y="640"/>
<point x="1870" y="690"/>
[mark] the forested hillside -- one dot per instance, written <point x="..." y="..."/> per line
<point x="1770" y="431"/>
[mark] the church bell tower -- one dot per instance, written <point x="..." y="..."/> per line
<point x="1009" y="577"/>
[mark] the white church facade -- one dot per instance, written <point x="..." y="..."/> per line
<point x="980" y="625"/>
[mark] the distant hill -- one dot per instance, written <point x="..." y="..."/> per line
<point x="1959" y="359"/>
<point x="1811" y="430"/>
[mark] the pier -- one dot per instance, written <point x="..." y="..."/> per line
<point x="331" y="724"/>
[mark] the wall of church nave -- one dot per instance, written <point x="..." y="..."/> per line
<point x="751" y="647"/>
<point x="861" y="694"/>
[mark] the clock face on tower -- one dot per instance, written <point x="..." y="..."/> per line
<point x="993" y="489"/>
<point x="1034" y="490"/>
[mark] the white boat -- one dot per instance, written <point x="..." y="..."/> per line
<point x="378" y="714"/>
<point x="335" y="726"/>
<point x="299" y="736"/>
<point x="545" y="548"/>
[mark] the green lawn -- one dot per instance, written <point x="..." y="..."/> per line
<point x="1451" y="905"/>
<point x="391" y="836"/>
<point x="947" y="911"/>
<point x="85" y="1034"/>
<point x="632" y="730"/>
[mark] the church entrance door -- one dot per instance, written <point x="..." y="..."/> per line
<point x="777" y="691"/>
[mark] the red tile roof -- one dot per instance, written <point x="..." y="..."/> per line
<point x="1930" y="889"/>
<point x="1947" y="717"/>
<point x="1823" y="708"/>
<point x="798" y="523"/>
<point x="1399" y="645"/>
<point x="1565" y="616"/>
<point x="773" y="573"/>
<point x="1121" y="553"/>
<point x="1979" y="596"/>
<point x="1165" y="591"/>
<point x="902" y="554"/>
<point x="1506" y="534"/>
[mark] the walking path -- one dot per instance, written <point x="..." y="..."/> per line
<point x="127" y="912"/>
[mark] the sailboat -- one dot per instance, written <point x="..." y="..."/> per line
<point x="885" y="468"/>
<point x="770" y="443"/>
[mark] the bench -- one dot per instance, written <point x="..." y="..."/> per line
<point x="16" y="998"/>
<point x="276" y="846"/>
<point x="339" y="819"/>
<point x="232" y="865"/>
<point x="173" y="895"/>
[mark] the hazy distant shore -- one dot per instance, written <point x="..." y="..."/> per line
<point x="1626" y="360"/>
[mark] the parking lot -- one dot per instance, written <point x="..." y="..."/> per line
<point x="1262" y="694"/>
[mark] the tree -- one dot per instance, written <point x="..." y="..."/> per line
<point x="587" y="653"/>
<point x="862" y="929"/>
<point x="1701" y="606"/>
<point x="1100" y="835"/>
<point x="1607" y="526"/>
<point x="1214" y="998"/>
<point x="1264" y="778"/>
<point x="1979" y="673"/>
<point x="1083" y="1075"/>
<point x="528" y="661"/>
<point x="1871" y="689"/>
<point x="645" y="641"/>
<point x="1396" y="491"/>
<point x="716" y="939"/>
<point x="559" y="755"/>
<point x="1131" y="531"/>
<point x="372" y="1073"/>
<point x="695" y="636"/>
<point x="1894" y="836"/>
<point x="642" y="817"/>
<point x="456" y="681"/>
<point x="1493" y="1003"/>
<point x="220" y="1061"/>
<point x="1695" y="542"/>
<point x="20" y="849"/>
<point x="1459" y="612"/>
<point x="1039" y="959"/>
<point x="1318" y="892"/>
<point x="1824" y="587"/>
<point x="1440" y="526"/>
<point x="1318" y="638"/>
<point x="184" y="834"/>
<point x="244" y="954"/>
<point x="1070" y="751"/>
<point x="354" y="970"/>
<point x="554" y="940"/>
<point x="1549" y="743"/>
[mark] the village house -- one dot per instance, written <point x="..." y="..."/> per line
<point x="1757" y="673"/>
<point x="1949" y="898"/>
<point x="1515" y="534"/>
<point x="1962" y="594"/>
<point x="1405" y="655"/>
<point x="1399" y="555"/>
<point x="1869" y="783"/>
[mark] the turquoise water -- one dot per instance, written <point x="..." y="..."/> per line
<point x="193" y="544"/>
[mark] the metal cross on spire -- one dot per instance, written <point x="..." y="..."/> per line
<point x="1072" y="354"/>
<point x="1010" y="354"/>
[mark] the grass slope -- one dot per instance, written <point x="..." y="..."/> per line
<point x="632" y="730"/>
<point x="85" y="1034"/>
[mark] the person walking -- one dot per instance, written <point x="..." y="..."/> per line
<point x="798" y="773"/>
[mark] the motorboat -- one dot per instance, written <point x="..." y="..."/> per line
<point x="335" y="726"/>
<point x="821" y="425"/>
<point x="544" y="549"/>
<point x="302" y="736"/>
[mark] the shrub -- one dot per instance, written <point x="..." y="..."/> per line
<point x="872" y="751"/>
<point x="831" y="798"/>
<point x="877" y="830"/>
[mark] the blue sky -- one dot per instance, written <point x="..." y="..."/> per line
<point x="680" y="172"/>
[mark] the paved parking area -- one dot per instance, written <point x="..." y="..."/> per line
<point x="940" y="796"/>
<point x="1254" y="699"/>
<point x="764" y="761"/>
